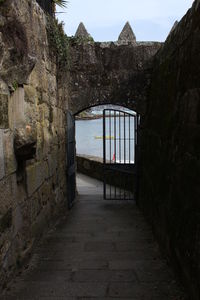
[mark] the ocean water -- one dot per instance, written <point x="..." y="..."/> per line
<point x="120" y="136"/>
<point x="86" y="130"/>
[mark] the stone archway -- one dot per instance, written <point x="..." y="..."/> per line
<point x="116" y="73"/>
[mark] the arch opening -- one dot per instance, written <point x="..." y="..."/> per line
<point x="89" y="128"/>
<point x="100" y="106"/>
<point x="106" y="138"/>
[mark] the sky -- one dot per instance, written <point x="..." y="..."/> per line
<point x="151" y="20"/>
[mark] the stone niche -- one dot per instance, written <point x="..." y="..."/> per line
<point x="25" y="140"/>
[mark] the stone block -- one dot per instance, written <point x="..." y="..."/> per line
<point x="4" y="111"/>
<point x="58" y="118"/>
<point x="2" y="167"/>
<point x="16" y="109"/>
<point x="35" y="207"/>
<point x="45" y="193"/>
<point x="30" y="94"/>
<point x="31" y="113"/>
<point x="35" y="176"/>
<point x="40" y="141"/>
<point x="46" y="141"/>
<point x="7" y="191"/>
<point x="52" y="86"/>
<point x="44" y="113"/>
<point x="3" y="87"/>
<point x="6" y="220"/>
<point x="17" y="219"/>
<point x="37" y="77"/>
<point x="9" y="155"/>
<point x="52" y="163"/>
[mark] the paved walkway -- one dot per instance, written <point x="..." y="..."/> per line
<point x="104" y="250"/>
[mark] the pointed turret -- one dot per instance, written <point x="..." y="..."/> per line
<point x="127" y="35"/>
<point x="173" y="27"/>
<point x="82" y="32"/>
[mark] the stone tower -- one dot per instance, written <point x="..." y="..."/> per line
<point x="127" y="35"/>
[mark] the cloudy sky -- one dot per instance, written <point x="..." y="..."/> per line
<point x="151" y="20"/>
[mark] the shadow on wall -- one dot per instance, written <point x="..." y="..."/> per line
<point x="170" y="147"/>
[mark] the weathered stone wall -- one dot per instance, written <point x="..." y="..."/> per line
<point x="110" y="73"/>
<point x="170" y="149"/>
<point x="33" y="103"/>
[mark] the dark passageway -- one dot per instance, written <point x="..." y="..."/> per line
<point x="104" y="250"/>
<point x="99" y="249"/>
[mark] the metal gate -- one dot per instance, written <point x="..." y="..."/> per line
<point x="71" y="173"/>
<point x="120" y="140"/>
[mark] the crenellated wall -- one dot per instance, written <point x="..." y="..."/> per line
<point x="170" y="149"/>
<point x="110" y="73"/>
<point x="33" y="103"/>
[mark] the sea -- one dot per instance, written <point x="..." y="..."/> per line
<point x="120" y="139"/>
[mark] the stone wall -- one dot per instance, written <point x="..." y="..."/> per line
<point x="93" y="166"/>
<point x="33" y="103"/>
<point x="90" y="165"/>
<point x="170" y="149"/>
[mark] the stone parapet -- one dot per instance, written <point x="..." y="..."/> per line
<point x="92" y="166"/>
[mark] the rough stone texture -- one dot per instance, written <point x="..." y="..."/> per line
<point x="170" y="144"/>
<point x="109" y="73"/>
<point x="2" y="167"/>
<point x="3" y="111"/>
<point x="16" y="109"/>
<point x="103" y="251"/>
<point x="10" y="163"/>
<point x="15" y="48"/>
<point x="33" y="102"/>
<point x="127" y="35"/>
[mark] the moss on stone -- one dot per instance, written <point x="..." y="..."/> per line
<point x="58" y="42"/>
